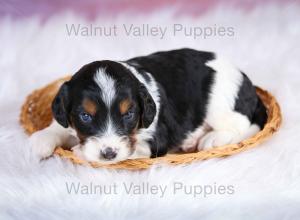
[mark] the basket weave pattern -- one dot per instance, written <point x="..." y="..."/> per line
<point x="36" y="115"/>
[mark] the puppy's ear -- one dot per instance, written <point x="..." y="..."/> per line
<point x="60" y="106"/>
<point x="148" y="107"/>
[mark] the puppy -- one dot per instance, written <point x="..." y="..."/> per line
<point x="146" y="106"/>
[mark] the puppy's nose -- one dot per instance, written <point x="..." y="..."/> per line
<point x="108" y="153"/>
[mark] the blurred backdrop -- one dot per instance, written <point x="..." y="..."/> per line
<point x="94" y="8"/>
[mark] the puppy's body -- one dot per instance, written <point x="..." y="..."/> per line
<point x="148" y="105"/>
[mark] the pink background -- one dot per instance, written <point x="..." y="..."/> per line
<point x="93" y="8"/>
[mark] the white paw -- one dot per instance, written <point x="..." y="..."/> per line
<point x="43" y="143"/>
<point x="77" y="151"/>
<point x="192" y="139"/>
<point x="189" y="145"/>
<point x="215" y="139"/>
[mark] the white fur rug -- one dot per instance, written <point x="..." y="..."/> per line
<point x="262" y="183"/>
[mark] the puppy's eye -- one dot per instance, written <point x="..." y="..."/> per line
<point x="128" y="115"/>
<point x="85" y="117"/>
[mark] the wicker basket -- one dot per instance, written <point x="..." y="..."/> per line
<point x="36" y="115"/>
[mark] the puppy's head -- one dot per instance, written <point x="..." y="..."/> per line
<point x="106" y="105"/>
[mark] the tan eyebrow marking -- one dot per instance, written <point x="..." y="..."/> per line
<point x="124" y="106"/>
<point x="89" y="106"/>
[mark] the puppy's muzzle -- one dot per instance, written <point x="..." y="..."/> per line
<point x="108" y="153"/>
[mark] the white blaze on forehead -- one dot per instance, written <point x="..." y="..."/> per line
<point x="107" y="86"/>
<point x="110" y="129"/>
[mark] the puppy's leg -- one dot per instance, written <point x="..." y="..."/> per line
<point x="44" y="142"/>
<point x="142" y="149"/>
<point x="228" y="125"/>
<point x="191" y="141"/>
<point x="228" y="128"/>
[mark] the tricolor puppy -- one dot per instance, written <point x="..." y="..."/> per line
<point x="146" y="106"/>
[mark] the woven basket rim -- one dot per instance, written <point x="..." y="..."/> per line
<point x="33" y="118"/>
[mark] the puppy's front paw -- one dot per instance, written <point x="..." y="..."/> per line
<point x="215" y="139"/>
<point x="189" y="145"/>
<point x="77" y="151"/>
<point x="43" y="143"/>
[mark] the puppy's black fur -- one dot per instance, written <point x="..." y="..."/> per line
<point x="184" y="83"/>
<point x="184" y="95"/>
